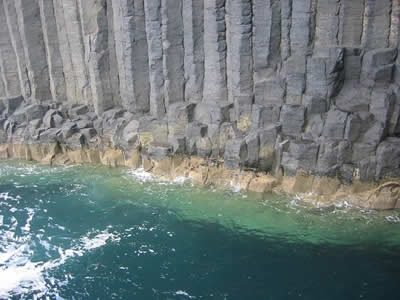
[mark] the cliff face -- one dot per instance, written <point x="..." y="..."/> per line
<point x="276" y="85"/>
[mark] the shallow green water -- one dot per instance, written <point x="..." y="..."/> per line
<point x="96" y="233"/>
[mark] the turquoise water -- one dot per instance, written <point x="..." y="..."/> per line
<point x="95" y="233"/>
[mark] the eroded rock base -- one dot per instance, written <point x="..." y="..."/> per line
<point x="319" y="191"/>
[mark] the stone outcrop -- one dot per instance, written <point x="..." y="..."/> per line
<point x="287" y="88"/>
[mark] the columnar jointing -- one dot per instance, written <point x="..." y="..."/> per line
<point x="8" y="60"/>
<point x="278" y="85"/>
<point x="30" y="28"/>
<point x="193" y="25"/>
<point x="15" y="36"/>
<point x="173" y="53"/>
<point x="132" y="54"/>
<point x="241" y="56"/>
<point x="267" y="21"/>
<point x="95" y="30"/>
<point x="54" y="61"/>
<point x="155" y="54"/>
<point x="215" y="48"/>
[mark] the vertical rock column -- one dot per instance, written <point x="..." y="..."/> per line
<point x="266" y="51"/>
<point x="394" y="38"/>
<point x="286" y="25"/>
<point x="94" y="22"/>
<point x="215" y="70"/>
<point x="30" y="28"/>
<point x="71" y="85"/>
<point x="173" y="53"/>
<point x="73" y="51"/>
<point x="13" y="28"/>
<point x="376" y="27"/>
<point x="8" y="60"/>
<point x="131" y="49"/>
<point x="114" y="78"/>
<point x="241" y="56"/>
<point x="193" y="24"/>
<point x="155" y="54"/>
<point x="351" y="22"/>
<point x="54" y="61"/>
<point x="327" y="25"/>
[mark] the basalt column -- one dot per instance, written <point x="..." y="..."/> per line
<point x="8" y="60"/>
<point x="30" y="28"/>
<point x="173" y="53"/>
<point x="215" y="50"/>
<point x="155" y="54"/>
<point x="193" y="25"/>
<point x="15" y="36"/>
<point x="132" y="54"/>
<point x="241" y="58"/>
<point x="54" y="61"/>
<point x="95" y="30"/>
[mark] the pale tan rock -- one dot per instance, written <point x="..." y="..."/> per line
<point x="4" y="152"/>
<point x="199" y="175"/>
<point x="325" y="186"/>
<point x="113" y="158"/>
<point x="262" y="184"/>
<point x="148" y="165"/>
<point x="134" y="160"/>
<point x="163" y="167"/>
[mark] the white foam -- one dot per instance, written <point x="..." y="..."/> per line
<point x="181" y="180"/>
<point x="27" y="226"/>
<point x="98" y="241"/>
<point x="235" y="187"/>
<point x="393" y="219"/>
<point x="141" y="175"/>
<point x="19" y="275"/>
<point x="183" y="293"/>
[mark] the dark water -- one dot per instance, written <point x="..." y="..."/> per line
<point x="96" y="233"/>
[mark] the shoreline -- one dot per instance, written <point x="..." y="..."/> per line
<point x="315" y="190"/>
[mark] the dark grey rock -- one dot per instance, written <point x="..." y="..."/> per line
<point x="292" y="119"/>
<point x="388" y="158"/>
<point x="301" y="155"/>
<point x="10" y="104"/>
<point x="235" y="154"/>
<point x="335" y="124"/>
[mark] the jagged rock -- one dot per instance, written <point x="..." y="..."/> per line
<point x="388" y="158"/>
<point x="213" y="114"/>
<point x="52" y="118"/>
<point x="378" y="66"/>
<point x="50" y="135"/>
<point x="158" y="152"/>
<point x="335" y="124"/>
<point x="292" y="119"/>
<point x="68" y="129"/>
<point x="30" y="112"/>
<point x="78" y="110"/>
<point x="253" y="150"/>
<point x="263" y="116"/>
<point x="267" y="139"/>
<point x="204" y="147"/>
<point x="301" y="155"/>
<point x="88" y="133"/>
<point x="235" y="154"/>
<point x="76" y="141"/>
<point x="11" y="104"/>
<point x="315" y="105"/>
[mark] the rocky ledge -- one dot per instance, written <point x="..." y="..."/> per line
<point x="181" y="145"/>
